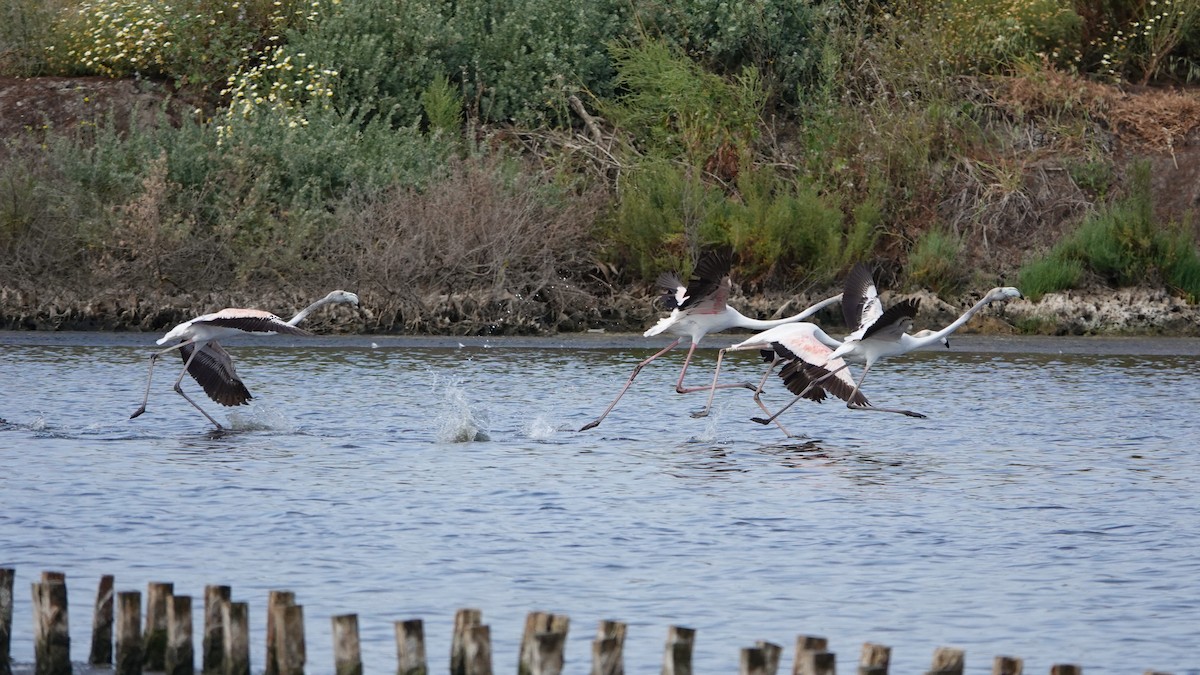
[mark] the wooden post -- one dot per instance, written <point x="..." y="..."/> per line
<point x="154" y="639"/>
<point x="947" y="661"/>
<point x="1066" y="669"/>
<point x="1007" y="665"/>
<point x="464" y="619"/>
<point x="213" y="643"/>
<point x="548" y="651"/>
<point x="235" y="619"/>
<point x="129" y="633"/>
<point x="347" y="655"/>
<point x="806" y="645"/>
<point x="51" y="630"/>
<point x="102" y="624"/>
<point x="477" y="650"/>
<point x="7" y="575"/>
<point x="821" y="663"/>
<point x="180" y="655"/>
<point x="608" y="649"/>
<point x="677" y="657"/>
<point x="875" y="659"/>
<point x="753" y="661"/>
<point x="537" y="623"/>
<point x="410" y="648"/>
<point x="275" y="599"/>
<point x="290" y="649"/>
<point x="773" y="653"/>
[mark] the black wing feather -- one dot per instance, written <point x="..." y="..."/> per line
<point x="853" y="291"/>
<point x="257" y="324"/>
<point x="710" y="272"/>
<point x="213" y="371"/>
<point x="905" y="310"/>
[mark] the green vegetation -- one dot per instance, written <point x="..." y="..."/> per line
<point x="1122" y="246"/>
<point x="300" y="136"/>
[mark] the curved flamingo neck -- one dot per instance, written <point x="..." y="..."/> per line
<point x="303" y="314"/>
<point x="933" y="338"/>
<point x="744" y="321"/>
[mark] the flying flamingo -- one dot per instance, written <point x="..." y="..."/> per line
<point x="210" y="365"/>
<point x="881" y="334"/>
<point x="809" y="369"/>
<point x="699" y="309"/>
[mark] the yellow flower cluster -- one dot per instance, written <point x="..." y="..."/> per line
<point x="115" y="38"/>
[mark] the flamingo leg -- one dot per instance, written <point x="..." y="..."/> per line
<point x="179" y="389"/>
<point x="758" y="397"/>
<point x="679" y="388"/>
<point x="712" y="390"/>
<point x="851" y="405"/>
<point x="815" y="383"/>
<point x="150" y="375"/>
<point x="636" y="369"/>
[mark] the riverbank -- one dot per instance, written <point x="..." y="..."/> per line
<point x="1131" y="311"/>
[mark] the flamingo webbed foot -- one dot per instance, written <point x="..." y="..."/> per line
<point x="699" y="413"/>
<point x="760" y="420"/>
<point x="137" y="412"/>
<point x="590" y="425"/>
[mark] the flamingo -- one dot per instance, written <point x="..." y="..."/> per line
<point x="809" y="369"/>
<point x="700" y="308"/>
<point x="884" y="333"/>
<point x="209" y="363"/>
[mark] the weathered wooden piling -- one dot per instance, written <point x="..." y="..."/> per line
<point x="51" y="633"/>
<point x="773" y="653"/>
<point x="477" y="650"/>
<point x="677" y="655"/>
<point x="947" y="661"/>
<point x="275" y="599"/>
<point x="212" y="645"/>
<point x="752" y="661"/>
<point x="347" y="654"/>
<point x="821" y="663"/>
<point x="1007" y="665"/>
<point x="1066" y="669"/>
<point x="235" y="619"/>
<point x="102" y="624"/>
<point x="129" y="633"/>
<point x="7" y="576"/>
<point x="875" y="659"/>
<point x="608" y="649"/>
<point x="290" y="649"/>
<point x="154" y="639"/>
<point x="180" y="656"/>
<point x="805" y="646"/>
<point x="464" y="619"/>
<point x="535" y="647"/>
<point x="410" y="648"/>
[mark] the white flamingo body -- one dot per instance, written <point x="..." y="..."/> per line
<point x="209" y="364"/>
<point x="700" y="308"/>
<point x="882" y="334"/>
<point x="808" y="361"/>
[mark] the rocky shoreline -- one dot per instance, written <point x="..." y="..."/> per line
<point x="1127" y="311"/>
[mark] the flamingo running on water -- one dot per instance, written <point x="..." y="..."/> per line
<point x="808" y="370"/>
<point x="210" y="365"/>
<point x="880" y="334"/>
<point x="700" y="308"/>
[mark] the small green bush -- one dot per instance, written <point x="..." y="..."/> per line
<point x="933" y="261"/>
<point x="1049" y="275"/>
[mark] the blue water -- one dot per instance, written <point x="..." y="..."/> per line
<point x="1046" y="509"/>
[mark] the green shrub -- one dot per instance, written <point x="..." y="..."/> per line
<point x="673" y="107"/>
<point x="990" y="36"/>
<point x="1122" y="245"/>
<point x="781" y="39"/>
<point x="1049" y="275"/>
<point x="933" y="261"/>
<point x="443" y="106"/>
<point x="28" y="37"/>
<point x="199" y="42"/>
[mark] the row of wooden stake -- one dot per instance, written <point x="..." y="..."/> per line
<point x="165" y="642"/>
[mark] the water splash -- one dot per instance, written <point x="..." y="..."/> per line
<point x="457" y="422"/>
<point x="540" y="429"/>
<point x="260" y="418"/>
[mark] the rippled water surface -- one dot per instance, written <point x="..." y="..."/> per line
<point x="1046" y="509"/>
